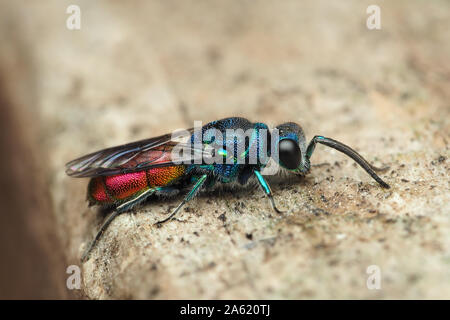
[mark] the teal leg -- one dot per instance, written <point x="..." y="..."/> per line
<point x="188" y="197"/>
<point x="266" y="188"/>
<point x="120" y="209"/>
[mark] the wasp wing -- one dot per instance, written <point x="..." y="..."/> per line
<point x="137" y="156"/>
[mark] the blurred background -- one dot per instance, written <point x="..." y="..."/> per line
<point x="138" y="69"/>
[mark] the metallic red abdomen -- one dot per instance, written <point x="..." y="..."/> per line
<point x="111" y="189"/>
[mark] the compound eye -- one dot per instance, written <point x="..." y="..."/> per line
<point x="289" y="153"/>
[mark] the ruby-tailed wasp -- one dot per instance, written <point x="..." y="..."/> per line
<point x="126" y="175"/>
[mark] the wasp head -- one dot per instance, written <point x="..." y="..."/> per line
<point x="290" y="152"/>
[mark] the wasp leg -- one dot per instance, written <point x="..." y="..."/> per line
<point x="120" y="209"/>
<point x="188" y="197"/>
<point x="267" y="191"/>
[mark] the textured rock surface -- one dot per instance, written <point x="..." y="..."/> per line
<point x="140" y="69"/>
